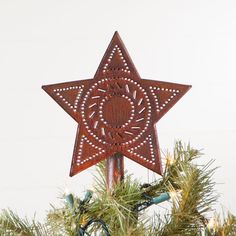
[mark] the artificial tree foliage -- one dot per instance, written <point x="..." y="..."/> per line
<point x="190" y="212"/>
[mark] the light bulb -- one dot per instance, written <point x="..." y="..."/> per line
<point x="212" y="224"/>
<point x="67" y="191"/>
<point x="169" y="160"/>
<point x="175" y="194"/>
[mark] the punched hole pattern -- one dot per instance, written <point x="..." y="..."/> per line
<point x="80" y="151"/>
<point x="96" y="124"/>
<point x="148" y="141"/>
<point x="71" y="106"/>
<point x="154" y="91"/>
<point x="116" y="49"/>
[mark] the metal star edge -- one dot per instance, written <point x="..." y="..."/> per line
<point x="116" y="111"/>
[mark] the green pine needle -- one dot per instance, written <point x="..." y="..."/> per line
<point x="12" y="225"/>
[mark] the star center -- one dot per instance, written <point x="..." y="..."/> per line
<point x="117" y="111"/>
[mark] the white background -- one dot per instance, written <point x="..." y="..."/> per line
<point x="52" y="41"/>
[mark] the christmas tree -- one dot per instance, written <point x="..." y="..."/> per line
<point x="186" y="186"/>
<point x="117" y="112"/>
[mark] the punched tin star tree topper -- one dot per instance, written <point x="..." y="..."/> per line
<point x="116" y="111"/>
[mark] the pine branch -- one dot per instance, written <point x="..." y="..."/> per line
<point x="196" y="195"/>
<point x="117" y="210"/>
<point x="11" y="225"/>
<point x="229" y="226"/>
<point x="225" y="227"/>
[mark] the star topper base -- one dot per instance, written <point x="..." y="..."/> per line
<point x="114" y="170"/>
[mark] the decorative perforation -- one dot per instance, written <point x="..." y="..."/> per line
<point x="148" y="141"/>
<point x="137" y="120"/>
<point x="71" y="106"/>
<point x="159" y="106"/>
<point x="79" y="154"/>
<point x="116" y="49"/>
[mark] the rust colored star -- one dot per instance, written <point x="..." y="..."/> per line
<point x="116" y="111"/>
